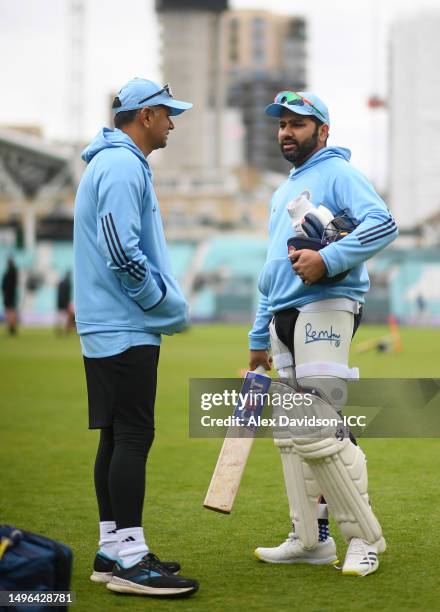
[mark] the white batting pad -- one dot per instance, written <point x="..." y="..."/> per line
<point x="339" y="468"/>
<point x="302" y="493"/>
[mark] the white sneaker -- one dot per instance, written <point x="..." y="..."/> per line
<point x="291" y="551"/>
<point x="361" y="558"/>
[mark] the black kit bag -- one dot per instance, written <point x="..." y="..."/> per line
<point x="31" y="562"/>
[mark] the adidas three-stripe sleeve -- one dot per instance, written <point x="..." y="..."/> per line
<point x="120" y="203"/>
<point x="355" y="195"/>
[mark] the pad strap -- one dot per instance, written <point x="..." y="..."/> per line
<point x="282" y="360"/>
<point x="326" y="368"/>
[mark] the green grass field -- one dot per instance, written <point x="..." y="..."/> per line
<point x="47" y="455"/>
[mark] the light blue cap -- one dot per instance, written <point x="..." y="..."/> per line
<point x="139" y="93"/>
<point x="309" y="104"/>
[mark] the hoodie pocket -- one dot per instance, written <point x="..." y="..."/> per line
<point x="170" y="315"/>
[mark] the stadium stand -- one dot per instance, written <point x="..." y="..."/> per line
<point x="181" y="254"/>
<point x="220" y="274"/>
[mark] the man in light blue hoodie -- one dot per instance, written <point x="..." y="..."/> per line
<point x="310" y="307"/>
<point x="125" y="298"/>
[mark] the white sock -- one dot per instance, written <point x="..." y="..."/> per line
<point x="132" y="545"/>
<point x="108" y="539"/>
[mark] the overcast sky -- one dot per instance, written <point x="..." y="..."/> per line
<point x="347" y="62"/>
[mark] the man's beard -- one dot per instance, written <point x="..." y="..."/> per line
<point x="302" y="151"/>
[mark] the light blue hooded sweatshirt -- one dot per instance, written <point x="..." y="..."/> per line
<point x="124" y="288"/>
<point x="329" y="179"/>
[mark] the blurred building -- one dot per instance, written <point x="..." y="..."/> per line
<point x="229" y="64"/>
<point x="191" y="52"/>
<point x="415" y="121"/>
<point x="36" y="185"/>
<point x="194" y="187"/>
<point x="263" y="53"/>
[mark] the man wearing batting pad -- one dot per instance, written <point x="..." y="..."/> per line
<point x="326" y="220"/>
<point x="125" y="298"/>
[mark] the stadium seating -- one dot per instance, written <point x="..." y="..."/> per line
<point x="225" y="283"/>
<point x="181" y="254"/>
<point x="220" y="274"/>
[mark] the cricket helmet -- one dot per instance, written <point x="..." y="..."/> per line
<point x="316" y="235"/>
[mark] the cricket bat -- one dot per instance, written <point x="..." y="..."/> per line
<point x="237" y="445"/>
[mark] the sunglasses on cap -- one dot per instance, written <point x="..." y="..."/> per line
<point x="294" y="99"/>
<point x="166" y="88"/>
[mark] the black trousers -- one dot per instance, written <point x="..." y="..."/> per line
<point x="122" y="392"/>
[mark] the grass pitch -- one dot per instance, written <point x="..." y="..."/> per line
<point x="47" y="454"/>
